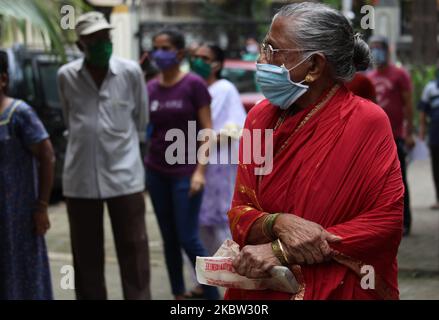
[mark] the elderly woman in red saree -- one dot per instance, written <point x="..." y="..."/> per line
<point x="331" y="208"/>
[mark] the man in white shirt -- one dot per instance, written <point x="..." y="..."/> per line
<point x="105" y="110"/>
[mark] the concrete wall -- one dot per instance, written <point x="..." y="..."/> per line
<point x="125" y="40"/>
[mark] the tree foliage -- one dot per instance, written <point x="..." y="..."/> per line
<point x="43" y="15"/>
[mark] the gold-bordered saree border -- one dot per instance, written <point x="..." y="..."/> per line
<point x="297" y="272"/>
<point x="248" y="191"/>
<point x="355" y="265"/>
<point x="381" y="287"/>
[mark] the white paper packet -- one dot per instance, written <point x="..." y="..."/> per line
<point x="218" y="271"/>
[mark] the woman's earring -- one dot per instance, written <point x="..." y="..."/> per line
<point x="309" y="79"/>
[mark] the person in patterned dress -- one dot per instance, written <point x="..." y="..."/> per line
<point x="26" y="175"/>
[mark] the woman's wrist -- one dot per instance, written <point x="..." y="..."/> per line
<point x="277" y="226"/>
<point x="268" y="224"/>
<point x="41" y="206"/>
<point x="279" y="252"/>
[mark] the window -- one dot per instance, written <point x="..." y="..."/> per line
<point x="29" y="94"/>
<point x="48" y="75"/>
<point x="406" y="17"/>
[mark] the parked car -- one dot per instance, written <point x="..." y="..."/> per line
<point x="242" y="74"/>
<point x="32" y="78"/>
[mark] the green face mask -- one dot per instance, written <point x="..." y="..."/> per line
<point x="200" y="67"/>
<point x="99" y="54"/>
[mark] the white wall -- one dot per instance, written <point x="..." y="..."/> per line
<point x="388" y="24"/>
<point x="126" y="23"/>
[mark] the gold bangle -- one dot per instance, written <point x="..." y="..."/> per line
<point x="267" y="226"/>
<point x="276" y="247"/>
<point x="284" y="254"/>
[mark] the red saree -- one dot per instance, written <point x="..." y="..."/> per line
<point x="340" y="170"/>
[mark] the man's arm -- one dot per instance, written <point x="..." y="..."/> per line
<point x="62" y="98"/>
<point x="408" y="116"/>
<point x="424" y="107"/>
<point x="422" y="125"/>
<point x="141" y="112"/>
<point x="406" y="87"/>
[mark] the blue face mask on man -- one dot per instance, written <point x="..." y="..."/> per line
<point x="277" y="86"/>
<point x="379" y="56"/>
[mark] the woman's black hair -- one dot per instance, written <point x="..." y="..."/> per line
<point x="4" y="67"/>
<point x="175" y="36"/>
<point x="219" y="56"/>
<point x="3" y="63"/>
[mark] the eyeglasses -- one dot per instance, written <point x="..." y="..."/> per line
<point x="268" y="52"/>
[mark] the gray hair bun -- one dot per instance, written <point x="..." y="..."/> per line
<point x="361" y="57"/>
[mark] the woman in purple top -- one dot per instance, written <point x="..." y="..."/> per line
<point x="179" y="106"/>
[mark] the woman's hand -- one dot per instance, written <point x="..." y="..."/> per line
<point x="304" y="241"/>
<point x="410" y="142"/>
<point x="42" y="222"/>
<point x="255" y="261"/>
<point x="197" y="182"/>
<point x="43" y="152"/>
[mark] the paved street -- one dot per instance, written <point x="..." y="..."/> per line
<point x="418" y="256"/>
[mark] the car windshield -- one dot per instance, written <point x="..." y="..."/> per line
<point x="244" y="80"/>
<point x="48" y="74"/>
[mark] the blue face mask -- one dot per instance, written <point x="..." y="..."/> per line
<point x="379" y="56"/>
<point x="165" y="59"/>
<point x="276" y="85"/>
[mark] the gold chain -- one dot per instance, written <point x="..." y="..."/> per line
<point x="319" y="106"/>
<point x="281" y="119"/>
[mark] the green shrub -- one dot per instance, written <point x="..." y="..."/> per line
<point x="421" y="75"/>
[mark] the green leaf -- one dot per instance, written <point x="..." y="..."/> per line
<point x="43" y="15"/>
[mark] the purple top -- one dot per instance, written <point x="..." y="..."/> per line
<point x="172" y="108"/>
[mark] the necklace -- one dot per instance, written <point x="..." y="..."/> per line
<point x="314" y="110"/>
<point x="310" y="114"/>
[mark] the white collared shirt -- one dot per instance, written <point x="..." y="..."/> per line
<point x="103" y="155"/>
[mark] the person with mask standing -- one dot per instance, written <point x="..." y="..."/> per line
<point x="176" y="189"/>
<point x="105" y="109"/>
<point x="26" y="178"/>
<point x="394" y="94"/>
<point x="228" y="116"/>
<point x="251" y="51"/>
<point x="332" y="201"/>
<point x="429" y="109"/>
